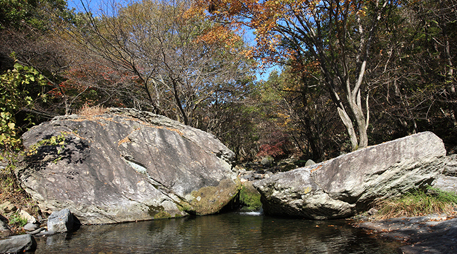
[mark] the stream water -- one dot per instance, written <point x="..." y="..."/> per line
<point x="224" y="233"/>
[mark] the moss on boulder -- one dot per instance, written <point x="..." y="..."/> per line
<point x="250" y="197"/>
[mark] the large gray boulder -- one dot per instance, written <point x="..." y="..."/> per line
<point x="126" y="165"/>
<point x="348" y="184"/>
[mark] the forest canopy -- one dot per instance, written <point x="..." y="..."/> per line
<point x="348" y="73"/>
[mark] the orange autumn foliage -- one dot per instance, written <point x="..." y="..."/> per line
<point x="264" y="16"/>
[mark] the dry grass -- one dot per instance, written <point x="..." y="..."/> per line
<point x="86" y="110"/>
<point x="418" y="203"/>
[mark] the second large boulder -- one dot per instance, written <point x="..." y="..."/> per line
<point x="348" y="184"/>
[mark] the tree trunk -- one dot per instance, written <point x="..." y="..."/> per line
<point x="356" y="108"/>
<point x="349" y="127"/>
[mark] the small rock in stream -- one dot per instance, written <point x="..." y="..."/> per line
<point x="61" y="221"/>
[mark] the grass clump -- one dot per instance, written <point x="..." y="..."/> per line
<point x="88" y="111"/>
<point x="418" y="203"/>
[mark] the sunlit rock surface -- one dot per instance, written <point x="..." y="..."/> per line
<point x="345" y="185"/>
<point x="126" y="165"/>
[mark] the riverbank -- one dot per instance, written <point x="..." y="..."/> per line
<point x="16" y="206"/>
<point x="422" y="234"/>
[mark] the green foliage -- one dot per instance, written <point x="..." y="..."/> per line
<point x="418" y="203"/>
<point x="443" y="196"/>
<point x="17" y="220"/>
<point x="14" y="97"/>
<point x="52" y="141"/>
<point x="33" y="13"/>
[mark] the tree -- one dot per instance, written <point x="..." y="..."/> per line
<point x="233" y="117"/>
<point x="414" y="88"/>
<point x="337" y="35"/>
<point x="161" y="50"/>
<point x="28" y="33"/>
<point x="32" y="13"/>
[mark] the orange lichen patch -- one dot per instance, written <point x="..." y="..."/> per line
<point x="99" y="119"/>
<point x="154" y="126"/>
<point x="92" y="118"/>
<point x="175" y="130"/>
<point x="315" y="169"/>
<point x="72" y="133"/>
<point x="124" y="140"/>
<point x="308" y="190"/>
<point x="127" y="139"/>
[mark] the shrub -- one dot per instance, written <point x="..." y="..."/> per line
<point x="277" y="146"/>
<point x="14" y="97"/>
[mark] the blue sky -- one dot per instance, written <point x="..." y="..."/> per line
<point x="94" y="5"/>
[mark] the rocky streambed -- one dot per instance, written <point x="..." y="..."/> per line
<point x="425" y="234"/>
<point x="126" y="165"/>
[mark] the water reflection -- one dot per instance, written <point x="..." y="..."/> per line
<point x="226" y="233"/>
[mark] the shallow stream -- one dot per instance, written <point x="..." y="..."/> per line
<point x="224" y="233"/>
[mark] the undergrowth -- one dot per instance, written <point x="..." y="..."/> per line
<point x="16" y="220"/>
<point x="12" y="192"/>
<point x="9" y="184"/>
<point x="418" y="203"/>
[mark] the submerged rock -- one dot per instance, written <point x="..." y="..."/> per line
<point x="126" y="165"/>
<point x="348" y="184"/>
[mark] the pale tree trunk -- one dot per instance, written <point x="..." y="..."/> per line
<point x="354" y="94"/>
<point x="361" y="122"/>
<point x="349" y="127"/>
<point x="355" y="104"/>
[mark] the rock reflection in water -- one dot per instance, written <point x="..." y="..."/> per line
<point x="226" y="233"/>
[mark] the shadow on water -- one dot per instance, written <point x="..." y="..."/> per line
<point x="224" y="233"/>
